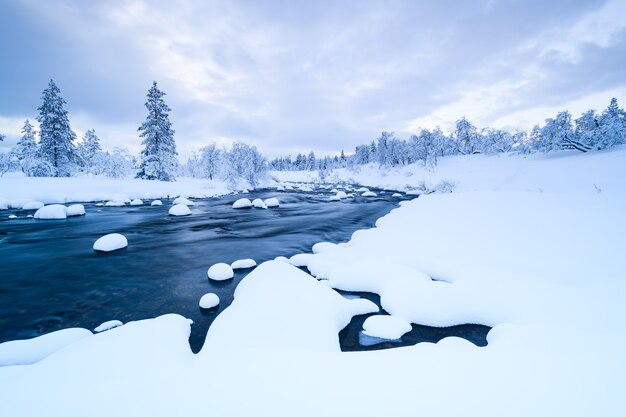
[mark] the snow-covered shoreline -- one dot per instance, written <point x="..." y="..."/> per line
<point x="532" y="246"/>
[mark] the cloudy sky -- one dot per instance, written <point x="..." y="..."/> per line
<point x="291" y="76"/>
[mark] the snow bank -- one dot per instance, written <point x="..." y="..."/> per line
<point x="156" y="203"/>
<point x="243" y="264"/>
<point x="51" y="212"/>
<point x="279" y="307"/>
<point x="24" y="352"/>
<point x="386" y="327"/>
<point x="110" y="242"/>
<point x="184" y="201"/>
<point x="108" y="325"/>
<point x="32" y="205"/>
<point x="272" y="202"/>
<point x="136" y="202"/>
<point x="75" y="210"/>
<point x="242" y="203"/>
<point x="179" y="210"/>
<point x="209" y="300"/>
<point x="220" y="272"/>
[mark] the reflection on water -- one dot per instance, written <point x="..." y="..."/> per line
<point x="50" y="278"/>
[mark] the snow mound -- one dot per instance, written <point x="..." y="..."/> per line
<point x="280" y="188"/>
<point x="209" y="300"/>
<point x="99" y="204"/>
<point x="110" y="242"/>
<point x="386" y="327"/>
<point x="75" y="210"/>
<point x="305" y="188"/>
<point x="243" y="264"/>
<point x="51" y="212"/>
<point x="281" y="259"/>
<point x="32" y="205"/>
<point x="342" y="194"/>
<point x="179" y="210"/>
<point x="12" y="216"/>
<point x="156" y="203"/>
<point x="272" y="202"/>
<point x="334" y="190"/>
<point x="322" y="247"/>
<point x="362" y="190"/>
<point x="334" y="198"/>
<point x="288" y="187"/>
<point x="242" y="203"/>
<point x="114" y="204"/>
<point x="396" y="195"/>
<point x="300" y="259"/>
<point x="258" y="203"/>
<point x="24" y="352"/>
<point x="368" y="194"/>
<point x="220" y="272"/>
<point x="183" y="200"/>
<point x="414" y="192"/>
<point x="350" y="195"/>
<point x="108" y="325"/>
<point x="136" y="202"/>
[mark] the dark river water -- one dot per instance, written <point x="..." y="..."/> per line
<point x="50" y="278"/>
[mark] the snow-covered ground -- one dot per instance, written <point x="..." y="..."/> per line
<point x="531" y="246"/>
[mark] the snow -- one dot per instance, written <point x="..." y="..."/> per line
<point x="272" y="202"/>
<point x="156" y="203"/>
<point x="12" y="216"/>
<point x="110" y="242"/>
<point x="32" y="205"/>
<point x="108" y="325"/>
<point x="179" y="210"/>
<point x="242" y="203"/>
<point x="243" y="264"/>
<point x="334" y="198"/>
<point x="184" y="201"/>
<point x="362" y="190"/>
<point x="368" y="194"/>
<point x="75" y="210"/>
<point x="342" y="194"/>
<point x="322" y="247"/>
<point x="136" y="202"/>
<point x="386" y="327"/>
<point x="209" y="300"/>
<point x="114" y="204"/>
<point x="24" y="352"/>
<point x="258" y="203"/>
<point x="51" y="212"/>
<point x="396" y="195"/>
<point x="220" y="272"/>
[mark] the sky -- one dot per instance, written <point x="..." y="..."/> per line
<point x="289" y="76"/>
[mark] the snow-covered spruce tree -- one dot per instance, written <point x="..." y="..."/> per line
<point x="56" y="138"/>
<point x="26" y="148"/>
<point x="158" y="157"/>
<point x="89" y="148"/>
<point x="612" y="124"/>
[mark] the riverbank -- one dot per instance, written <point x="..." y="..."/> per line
<point x="531" y="246"/>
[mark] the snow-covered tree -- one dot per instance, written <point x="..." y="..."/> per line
<point x="466" y="137"/>
<point x="612" y="125"/>
<point x="56" y="137"/>
<point x="210" y="161"/>
<point x="158" y="157"/>
<point x="26" y="148"/>
<point x="89" y="147"/>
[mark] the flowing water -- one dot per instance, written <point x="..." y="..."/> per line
<point x="50" y="278"/>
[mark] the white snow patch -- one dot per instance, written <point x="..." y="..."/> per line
<point x="51" y="212"/>
<point x="272" y="202"/>
<point x="322" y="247"/>
<point x="220" y="272"/>
<point x="12" y="216"/>
<point x="156" y="203"/>
<point x="115" y="204"/>
<point x="396" y="195"/>
<point x="386" y="327"/>
<point x="24" y="352"/>
<point x="243" y="264"/>
<point x="258" y="203"/>
<point x="242" y="203"/>
<point x="179" y="210"/>
<point x="362" y="190"/>
<point x="110" y="242"/>
<point x="368" y="194"/>
<point x="184" y="201"/>
<point x="75" y="210"/>
<point x="209" y="300"/>
<point x="108" y="325"/>
<point x="334" y="198"/>
<point x="32" y="205"/>
<point x="342" y="194"/>
<point x="136" y="202"/>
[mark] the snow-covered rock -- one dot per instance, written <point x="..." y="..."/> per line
<point x="99" y="204"/>
<point x="75" y="210"/>
<point x="179" y="210"/>
<point x="386" y="327"/>
<point x="183" y="200"/>
<point x="341" y="194"/>
<point x="51" y="212"/>
<point x="334" y="198"/>
<point x="258" y="203"/>
<point x="24" y="352"/>
<point x="220" y="272"/>
<point x="242" y="203"/>
<point x="136" y="202"/>
<point x="368" y="194"/>
<point x="12" y="216"/>
<point x="243" y="264"/>
<point x="334" y="190"/>
<point x="322" y="247"/>
<point x="115" y="204"/>
<point x="32" y="205"/>
<point x="362" y="190"/>
<point x="108" y="325"/>
<point x="280" y="188"/>
<point x="156" y="203"/>
<point x="289" y="187"/>
<point x="281" y="259"/>
<point x="209" y="300"/>
<point x="110" y="242"/>
<point x="305" y="188"/>
<point x="396" y="195"/>
<point x="272" y="202"/>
